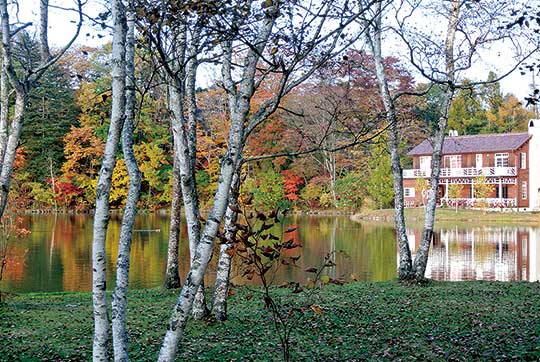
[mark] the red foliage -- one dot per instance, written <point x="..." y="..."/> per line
<point x="20" y="158"/>
<point x="291" y="184"/>
<point x="65" y="191"/>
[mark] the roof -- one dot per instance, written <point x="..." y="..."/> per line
<point x="475" y="143"/>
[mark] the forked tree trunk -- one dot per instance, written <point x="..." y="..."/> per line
<point x="119" y="302"/>
<point x="101" y="215"/>
<point x="221" y="287"/>
<point x="239" y="105"/>
<point x="374" y="42"/>
<point x="420" y="261"/>
<point x="172" y="275"/>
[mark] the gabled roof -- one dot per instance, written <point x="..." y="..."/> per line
<point x="475" y="144"/>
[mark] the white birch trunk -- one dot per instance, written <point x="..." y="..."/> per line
<point x="420" y="261"/>
<point x="374" y="42"/>
<point x="101" y="215"/>
<point x="221" y="286"/>
<point x="239" y="104"/>
<point x="4" y="112"/>
<point x="119" y="328"/>
<point x="11" y="149"/>
<point x="172" y="276"/>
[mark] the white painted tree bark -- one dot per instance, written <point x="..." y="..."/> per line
<point x="101" y="214"/>
<point x="119" y="302"/>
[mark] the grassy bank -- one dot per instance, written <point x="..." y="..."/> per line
<point x="462" y="215"/>
<point x="361" y="321"/>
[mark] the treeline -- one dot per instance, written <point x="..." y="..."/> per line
<point x="307" y="157"/>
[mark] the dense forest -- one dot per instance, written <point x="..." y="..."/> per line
<point x="325" y="148"/>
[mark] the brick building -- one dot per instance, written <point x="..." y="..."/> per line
<point x="510" y="162"/>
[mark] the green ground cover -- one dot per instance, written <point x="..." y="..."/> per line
<point x="440" y="321"/>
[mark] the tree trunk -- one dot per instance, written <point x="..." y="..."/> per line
<point x="374" y="42"/>
<point x="101" y="214"/>
<point x="120" y="336"/>
<point x="221" y="288"/>
<point x="11" y="149"/>
<point x="172" y="276"/>
<point x="189" y="190"/>
<point x="420" y="261"/>
<point x="4" y="113"/>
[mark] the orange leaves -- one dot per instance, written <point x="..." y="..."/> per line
<point x="20" y="158"/>
<point x="292" y="184"/>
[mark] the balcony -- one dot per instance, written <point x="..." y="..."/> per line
<point x="463" y="172"/>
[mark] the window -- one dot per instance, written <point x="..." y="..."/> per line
<point x="524" y="190"/>
<point x="504" y="190"/>
<point x="425" y="162"/>
<point x="479" y="160"/>
<point x="408" y="192"/>
<point x="501" y="160"/>
<point x="523" y="160"/>
<point x="453" y="161"/>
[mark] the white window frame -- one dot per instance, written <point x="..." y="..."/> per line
<point x="523" y="160"/>
<point x="453" y="161"/>
<point x="479" y="159"/>
<point x="524" y="190"/>
<point x="409" y="192"/>
<point x="501" y="160"/>
<point x="425" y="162"/>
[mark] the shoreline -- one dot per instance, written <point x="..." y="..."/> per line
<point x="450" y="215"/>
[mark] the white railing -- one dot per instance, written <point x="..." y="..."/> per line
<point x="463" y="172"/>
<point x="487" y="202"/>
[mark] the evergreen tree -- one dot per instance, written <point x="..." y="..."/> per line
<point x="51" y="113"/>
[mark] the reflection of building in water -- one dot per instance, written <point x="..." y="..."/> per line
<point x="483" y="253"/>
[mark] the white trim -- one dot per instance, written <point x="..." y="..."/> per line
<point x="479" y="159"/>
<point x="408" y="192"/>
<point x="523" y="160"/>
<point x="503" y="158"/>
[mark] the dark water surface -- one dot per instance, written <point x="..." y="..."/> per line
<point x="56" y="256"/>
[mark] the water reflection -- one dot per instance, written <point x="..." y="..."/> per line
<point x="483" y="253"/>
<point x="56" y="256"/>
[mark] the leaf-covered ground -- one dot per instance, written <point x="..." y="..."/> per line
<point x="362" y="321"/>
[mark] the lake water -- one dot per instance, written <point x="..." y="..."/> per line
<point x="56" y="256"/>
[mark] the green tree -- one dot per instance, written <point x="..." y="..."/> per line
<point x="50" y="114"/>
<point x="379" y="181"/>
<point x="454" y="192"/>
<point x="482" y="190"/>
<point x="466" y="114"/>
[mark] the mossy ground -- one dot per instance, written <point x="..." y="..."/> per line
<point x="440" y="321"/>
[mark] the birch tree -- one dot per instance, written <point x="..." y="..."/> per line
<point x="172" y="277"/>
<point x="253" y="37"/>
<point x="120" y="337"/>
<point x="20" y="83"/>
<point x="101" y="214"/>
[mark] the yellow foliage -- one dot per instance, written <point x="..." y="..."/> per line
<point x="120" y="183"/>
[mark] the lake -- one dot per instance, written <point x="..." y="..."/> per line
<point x="56" y="256"/>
